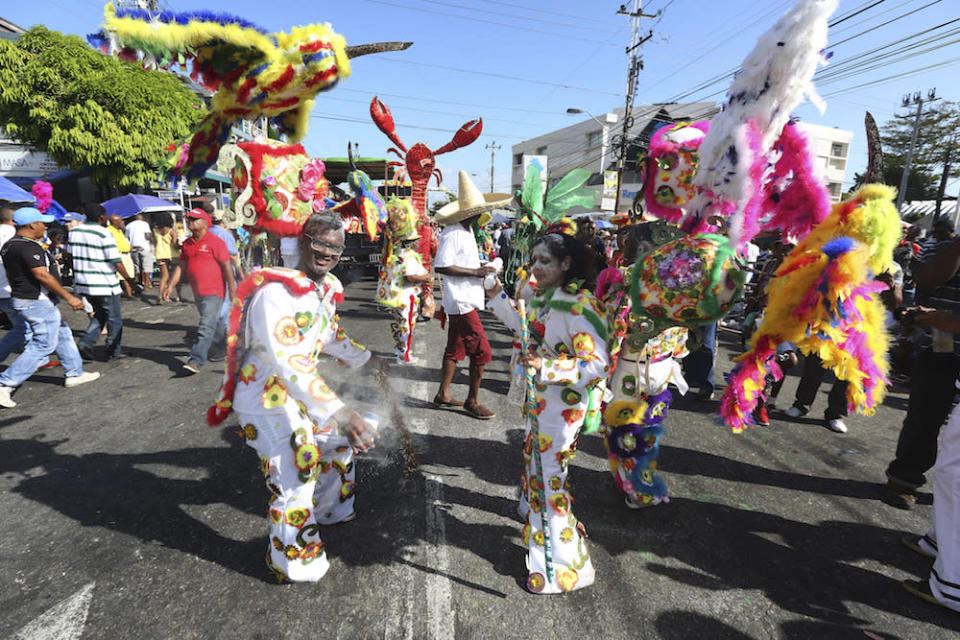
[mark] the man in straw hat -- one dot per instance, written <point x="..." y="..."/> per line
<point x="458" y="260"/>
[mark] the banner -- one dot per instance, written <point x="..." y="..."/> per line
<point x="608" y="196"/>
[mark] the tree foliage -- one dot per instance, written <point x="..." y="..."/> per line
<point x="939" y="123"/>
<point x="86" y="109"/>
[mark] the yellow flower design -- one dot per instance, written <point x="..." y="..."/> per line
<point x="320" y="390"/>
<point x="583" y="345"/>
<point x="303" y="364"/>
<point x="247" y="373"/>
<point x="624" y="412"/>
<point x="274" y="393"/>
<point x="286" y="332"/>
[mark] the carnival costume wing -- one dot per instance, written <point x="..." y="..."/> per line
<point x="253" y="72"/>
<point x="742" y="140"/>
<point x="825" y="300"/>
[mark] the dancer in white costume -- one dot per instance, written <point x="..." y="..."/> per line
<point x="303" y="433"/>
<point x="567" y="324"/>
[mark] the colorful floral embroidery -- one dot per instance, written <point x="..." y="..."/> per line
<point x="303" y="364"/>
<point x="347" y="489"/>
<point x="306" y="456"/>
<point x="320" y="391"/>
<point x="296" y="517"/>
<point x="567" y="579"/>
<point x="566" y="535"/>
<point x="287" y="332"/>
<point x="560" y="503"/>
<point x="583" y="345"/>
<point x="247" y="373"/>
<point x="274" y="393"/>
<point x="572" y="416"/>
<point x="275" y="517"/>
<point x="536" y="582"/>
<point x="570" y="396"/>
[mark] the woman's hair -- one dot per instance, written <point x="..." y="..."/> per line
<point x="562" y="246"/>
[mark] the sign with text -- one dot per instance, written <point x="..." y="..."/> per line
<point x="20" y="161"/>
<point x="608" y="196"/>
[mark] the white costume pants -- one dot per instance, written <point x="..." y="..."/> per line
<point x="944" y="535"/>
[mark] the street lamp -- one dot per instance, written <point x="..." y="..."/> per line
<point x="603" y="139"/>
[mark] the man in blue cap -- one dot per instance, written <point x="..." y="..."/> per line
<point x="35" y="289"/>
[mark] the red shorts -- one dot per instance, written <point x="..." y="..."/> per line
<point x="465" y="337"/>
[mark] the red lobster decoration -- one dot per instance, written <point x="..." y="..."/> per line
<point x="420" y="165"/>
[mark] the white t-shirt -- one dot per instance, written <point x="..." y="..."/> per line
<point x="137" y="231"/>
<point x="7" y="231"/>
<point x="458" y="248"/>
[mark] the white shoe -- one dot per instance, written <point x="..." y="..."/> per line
<point x="836" y="425"/>
<point x="796" y="411"/>
<point x="190" y="367"/>
<point x="88" y="376"/>
<point x="5" y="400"/>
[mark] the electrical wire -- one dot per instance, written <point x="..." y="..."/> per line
<point x="578" y="27"/>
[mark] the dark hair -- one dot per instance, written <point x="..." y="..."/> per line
<point x="323" y="221"/>
<point x="562" y="246"/>
<point x="638" y="240"/>
<point x="162" y="219"/>
<point x="93" y="211"/>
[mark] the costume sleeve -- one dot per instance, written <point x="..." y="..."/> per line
<point x="344" y="348"/>
<point x="272" y="318"/>
<point x="588" y="362"/>
<point x="503" y="308"/>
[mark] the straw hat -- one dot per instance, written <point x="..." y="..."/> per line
<point x="470" y="202"/>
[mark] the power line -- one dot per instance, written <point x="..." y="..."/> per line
<point x="502" y="76"/>
<point x="493" y="22"/>
<point x="355" y="120"/>
<point x="520" y="17"/>
<point x="513" y="5"/>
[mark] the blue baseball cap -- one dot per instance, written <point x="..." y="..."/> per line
<point x="26" y="215"/>
<point x="73" y="215"/>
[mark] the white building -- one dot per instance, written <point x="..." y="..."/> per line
<point x="830" y="147"/>
<point x="591" y="143"/>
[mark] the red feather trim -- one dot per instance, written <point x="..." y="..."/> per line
<point x="245" y="290"/>
<point x="282" y="81"/>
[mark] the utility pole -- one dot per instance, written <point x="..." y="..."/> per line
<point x="635" y="65"/>
<point x="493" y="146"/>
<point x="946" y="173"/>
<point x="918" y="100"/>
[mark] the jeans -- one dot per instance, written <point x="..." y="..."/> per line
<point x="18" y="334"/>
<point x="212" y="329"/>
<point x="813" y="374"/>
<point x="698" y="366"/>
<point x="49" y="333"/>
<point x="106" y="311"/>
<point x="932" y="390"/>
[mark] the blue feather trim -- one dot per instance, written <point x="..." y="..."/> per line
<point x="186" y="16"/>
<point x="838" y="246"/>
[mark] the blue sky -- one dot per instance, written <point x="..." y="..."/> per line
<point x="520" y="64"/>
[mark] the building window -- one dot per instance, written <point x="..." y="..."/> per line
<point x="517" y="159"/>
<point x="594" y="138"/>
<point x="835" y="189"/>
<point x="838" y="150"/>
<point x="541" y="151"/>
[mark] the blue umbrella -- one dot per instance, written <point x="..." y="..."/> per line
<point x="9" y="192"/>
<point x="134" y="203"/>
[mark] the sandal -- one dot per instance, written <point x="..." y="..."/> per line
<point x="480" y="412"/>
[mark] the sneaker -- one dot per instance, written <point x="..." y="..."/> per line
<point x="191" y="368"/>
<point x="5" y="400"/>
<point x="87" y="376"/>
<point x="761" y="417"/>
<point x="836" y="425"/>
<point x="706" y="394"/>
<point x="797" y="411"/>
<point x="637" y="504"/>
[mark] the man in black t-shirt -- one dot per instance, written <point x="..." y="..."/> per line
<point x="35" y="290"/>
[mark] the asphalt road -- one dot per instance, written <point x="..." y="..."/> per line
<point x="123" y="516"/>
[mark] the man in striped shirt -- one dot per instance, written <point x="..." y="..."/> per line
<point x="96" y="263"/>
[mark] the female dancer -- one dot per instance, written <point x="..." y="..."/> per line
<point x="568" y="358"/>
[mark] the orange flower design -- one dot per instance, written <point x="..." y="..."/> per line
<point x="247" y="373"/>
<point x="320" y="390"/>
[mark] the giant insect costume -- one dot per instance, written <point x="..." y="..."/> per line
<point x="254" y="73"/>
<point x="419" y="164"/>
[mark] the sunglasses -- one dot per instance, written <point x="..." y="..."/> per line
<point x="318" y="245"/>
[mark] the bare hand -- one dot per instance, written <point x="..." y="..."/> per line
<point x="484" y="270"/>
<point x="358" y="431"/>
<point x="531" y="359"/>
<point x="936" y="319"/>
<point x="75" y="303"/>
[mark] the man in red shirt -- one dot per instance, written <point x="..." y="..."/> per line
<point x="204" y="257"/>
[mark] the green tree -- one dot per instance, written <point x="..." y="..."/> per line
<point x="86" y="109"/>
<point x="936" y="139"/>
